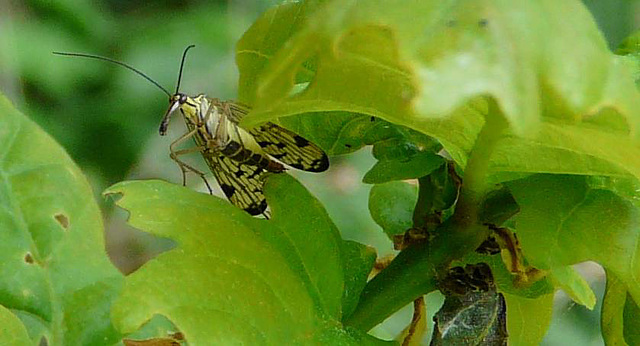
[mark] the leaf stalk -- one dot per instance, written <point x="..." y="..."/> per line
<point x="414" y="271"/>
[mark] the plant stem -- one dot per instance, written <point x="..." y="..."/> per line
<point x="413" y="272"/>
<point x="474" y="182"/>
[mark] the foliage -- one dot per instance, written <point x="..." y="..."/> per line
<point x="524" y="154"/>
<point x="57" y="278"/>
<point x="279" y="287"/>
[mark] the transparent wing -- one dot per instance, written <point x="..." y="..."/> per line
<point x="241" y="183"/>
<point x="233" y="110"/>
<point x="290" y="148"/>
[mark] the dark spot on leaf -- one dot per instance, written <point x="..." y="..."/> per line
<point x="373" y="118"/>
<point x="151" y="342"/>
<point x="178" y="336"/>
<point x="28" y="258"/>
<point x="452" y="23"/>
<point x="348" y="145"/>
<point x="62" y="220"/>
<point x="483" y="22"/>
<point x="43" y="342"/>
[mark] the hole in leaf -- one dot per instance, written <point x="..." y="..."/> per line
<point x="62" y="220"/>
<point x="28" y="258"/>
<point x="151" y="342"/>
<point x="177" y="336"/>
<point x="173" y="340"/>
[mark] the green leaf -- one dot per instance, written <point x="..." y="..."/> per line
<point x="563" y="221"/>
<point x="337" y="133"/>
<point x="157" y="327"/>
<point x="627" y="188"/>
<point x="442" y="187"/>
<point x="528" y="319"/>
<point x="397" y="143"/>
<point x="572" y="283"/>
<point x="265" y="282"/>
<point x="631" y="315"/>
<point x="391" y="206"/>
<point x="343" y="132"/>
<point x="358" y="260"/>
<point x="504" y="279"/>
<point x="36" y="327"/>
<point x="566" y="149"/>
<point x="418" y="166"/>
<point x="498" y="207"/>
<point x="630" y="48"/>
<point x="12" y="331"/>
<point x="613" y="304"/>
<point x="370" y="60"/>
<point x="317" y="262"/>
<point x="620" y="314"/>
<point x="55" y="273"/>
<point x="264" y="38"/>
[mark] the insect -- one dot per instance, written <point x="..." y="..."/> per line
<point x="239" y="159"/>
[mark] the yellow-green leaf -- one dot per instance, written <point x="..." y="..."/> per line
<point x="54" y="274"/>
<point x="233" y="278"/>
<point x="528" y="319"/>
<point x="12" y="331"/>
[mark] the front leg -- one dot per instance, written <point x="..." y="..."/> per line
<point x="185" y="167"/>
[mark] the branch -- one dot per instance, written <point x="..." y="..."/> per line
<point x="413" y="272"/>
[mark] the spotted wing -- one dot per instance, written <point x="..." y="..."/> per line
<point x="241" y="183"/>
<point x="290" y="148"/>
<point x="236" y="110"/>
<point x="284" y="145"/>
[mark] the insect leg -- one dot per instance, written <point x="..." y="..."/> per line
<point x="185" y="167"/>
<point x="181" y="139"/>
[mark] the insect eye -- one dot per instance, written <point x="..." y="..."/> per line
<point x="183" y="99"/>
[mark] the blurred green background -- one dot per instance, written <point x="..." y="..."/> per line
<point x="107" y="118"/>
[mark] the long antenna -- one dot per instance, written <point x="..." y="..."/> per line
<point x="126" y="66"/>
<point x="184" y="56"/>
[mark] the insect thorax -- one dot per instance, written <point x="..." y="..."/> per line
<point x="215" y="126"/>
